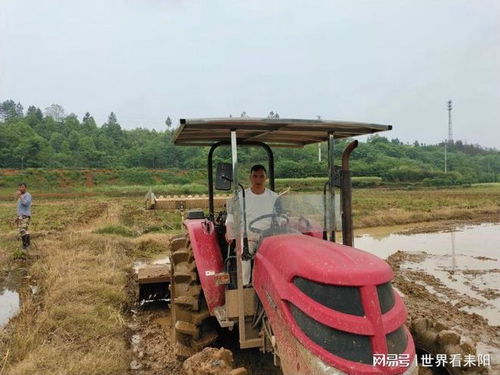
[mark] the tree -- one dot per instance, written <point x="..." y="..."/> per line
<point x="34" y="116"/>
<point x="19" y="110"/>
<point x="55" y="111"/>
<point x="113" y="131"/>
<point x="56" y="141"/>
<point x="9" y="110"/>
<point x="88" y="123"/>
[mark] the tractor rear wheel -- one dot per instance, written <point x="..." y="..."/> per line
<point x="192" y="329"/>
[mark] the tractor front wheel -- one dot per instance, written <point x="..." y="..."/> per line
<point x="192" y="329"/>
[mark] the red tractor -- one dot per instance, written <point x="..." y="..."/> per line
<point x="319" y="306"/>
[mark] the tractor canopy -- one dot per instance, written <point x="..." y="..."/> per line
<point x="274" y="132"/>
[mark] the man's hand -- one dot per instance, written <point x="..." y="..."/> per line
<point x="18" y="193"/>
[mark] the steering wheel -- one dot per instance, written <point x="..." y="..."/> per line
<point x="274" y="217"/>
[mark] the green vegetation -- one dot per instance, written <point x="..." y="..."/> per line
<point x="33" y="140"/>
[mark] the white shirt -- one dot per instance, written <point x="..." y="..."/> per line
<point x="256" y="206"/>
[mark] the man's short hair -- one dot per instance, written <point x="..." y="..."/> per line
<point x="23" y="184"/>
<point x="258" y="167"/>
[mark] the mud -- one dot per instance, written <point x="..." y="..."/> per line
<point x="427" y="299"/>
<point x="150" y="341"/>
<point x="212" y="361"/>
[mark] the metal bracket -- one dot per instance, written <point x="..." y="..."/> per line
<point x="221" y="315"/>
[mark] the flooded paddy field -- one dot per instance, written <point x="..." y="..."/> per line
<point x="464" y="259"/>
<point x="449" y="274"/>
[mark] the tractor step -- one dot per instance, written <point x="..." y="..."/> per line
<point x="221" y="315"/>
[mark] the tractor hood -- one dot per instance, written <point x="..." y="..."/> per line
<point x="322" y="261"/>
<point x="337" y="301"/>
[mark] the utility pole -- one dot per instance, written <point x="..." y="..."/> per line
<point x="445" y="157"/>
<point x="450" y="130"/>
<point x="319" y="145"/>
<point x="450" y="137"/>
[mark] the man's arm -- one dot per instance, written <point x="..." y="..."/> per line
<point x="25" y="200"/>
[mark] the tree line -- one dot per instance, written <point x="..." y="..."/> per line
<point x="51" y="139"/>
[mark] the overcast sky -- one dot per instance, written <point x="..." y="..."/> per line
<point x="390" y="62"/>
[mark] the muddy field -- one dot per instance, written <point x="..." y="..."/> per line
<point x="72" y="302"/>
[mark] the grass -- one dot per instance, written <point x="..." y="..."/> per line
<point x="115" y="229"/>
<point x="53" y="216"/>
<point x="76" y="325"/>
<point x="377" y="207"/>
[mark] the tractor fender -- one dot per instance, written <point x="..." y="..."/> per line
<point x="208" y="259"/>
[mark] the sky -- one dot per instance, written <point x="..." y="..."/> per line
<point x="392" y="62"/>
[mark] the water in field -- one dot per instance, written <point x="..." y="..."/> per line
<point x="9" y="305"/>
<point x="14" y="285"/>
<point x="464" y="259"/>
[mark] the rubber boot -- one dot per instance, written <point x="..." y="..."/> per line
<point x="28" y="241"/>
<point x="25" y="241"/>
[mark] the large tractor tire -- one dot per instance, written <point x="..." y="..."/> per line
<point x="435" y="338"/>
<point x="192" y="328"/>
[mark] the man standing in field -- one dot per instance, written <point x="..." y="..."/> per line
<point x="23" y="214"/>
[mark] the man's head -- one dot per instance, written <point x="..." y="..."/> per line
<point x="258" y="177"/>
<point x="22" y="187"/>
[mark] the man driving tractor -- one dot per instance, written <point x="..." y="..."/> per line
<point x="259" y="201"/>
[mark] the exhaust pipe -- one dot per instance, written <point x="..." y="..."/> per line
<point x="347" y="227"/>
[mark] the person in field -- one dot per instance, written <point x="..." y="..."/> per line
<point x="23" y="214"/>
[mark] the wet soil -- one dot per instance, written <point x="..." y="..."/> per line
<point x="150" y="341"/>
<point x="425" y="296"/>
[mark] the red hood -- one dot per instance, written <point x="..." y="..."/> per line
<point x="322" y="261"/>
<point x="281" y="258"/>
